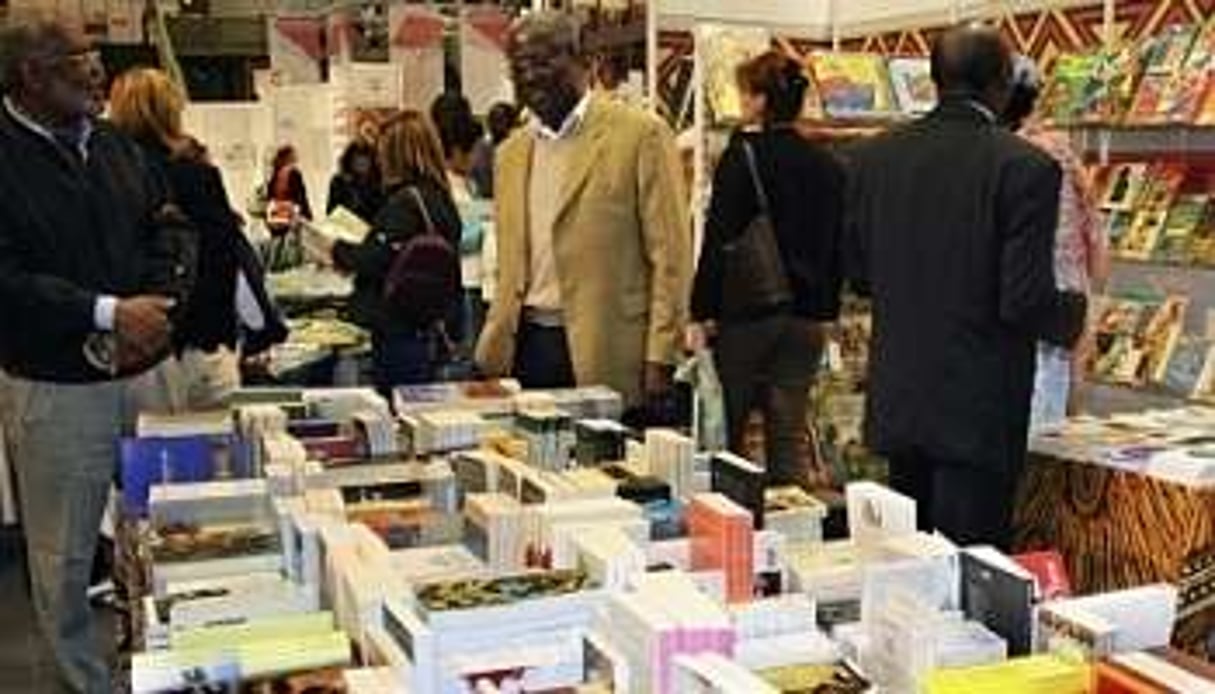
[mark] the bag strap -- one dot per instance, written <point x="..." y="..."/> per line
<point x="422" y="209"/>
<point x="760" y="194"/>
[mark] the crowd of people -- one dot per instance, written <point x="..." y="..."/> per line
<point x="128" y="281"/>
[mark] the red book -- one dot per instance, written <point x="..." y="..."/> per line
<point x="1049" y="572"/>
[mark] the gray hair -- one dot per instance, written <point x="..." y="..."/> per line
<point x="26" y="41"/>
<point x="563" y="28"/>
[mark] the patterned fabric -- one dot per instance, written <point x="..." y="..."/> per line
<point x="1079" y="234"/>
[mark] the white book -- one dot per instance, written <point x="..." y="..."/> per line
<point x="876" y="513"/>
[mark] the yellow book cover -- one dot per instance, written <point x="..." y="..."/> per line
<point x="1039" y="674"/>
<point x="853" y="84"/>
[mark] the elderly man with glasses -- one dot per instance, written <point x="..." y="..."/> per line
<point x="91" y="263"/>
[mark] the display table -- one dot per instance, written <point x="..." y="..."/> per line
<point x="1118" y="529"/>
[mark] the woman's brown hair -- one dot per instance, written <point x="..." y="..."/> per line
<point x="410" y="150"/>
<point x="147" y="105"/>
<point x="780" y="79"/>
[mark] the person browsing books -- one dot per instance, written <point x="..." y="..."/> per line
<point x="768" y="353"/>
<point x="952" y="223"/>
<point x="405" y="268"/>
<point x="1081" y="253"/>
<point x="593" y="242"/>
<point x="146" y="105"/>
<point x="92" y="263"/>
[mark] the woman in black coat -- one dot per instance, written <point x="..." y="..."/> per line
<point x="208" y="332"/>
<point x="769" y="357"/>
<point x="406" y="339"/>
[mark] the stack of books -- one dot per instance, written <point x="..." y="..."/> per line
<point x="599" y="441"/>
<point x="713" y="673"/>
<point x="493" y="530"/>
<point x="230" y="655"/>
<point x="794" y="514"/>
<point x="1097" y="626"/>
<point x="492" y="399"/>
<point x="212" y="529"/>
<point x="448" y="633"/>
<point x="780" y="631"/>
<point x="723" y="540"/>
<point x="443" y="431"/>
<point x="666" y="616"/>
<point x="670" y="456"/>
<point x="1162" y="671"/>
<point x="549" y="434"/>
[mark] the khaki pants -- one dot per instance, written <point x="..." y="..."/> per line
<point x="63" y="445"/>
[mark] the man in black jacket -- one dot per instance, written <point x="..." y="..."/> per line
<point x="952" y="234"/>
<point x="89" y="270"/>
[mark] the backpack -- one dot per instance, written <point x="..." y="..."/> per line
<point x="423" y="281"/>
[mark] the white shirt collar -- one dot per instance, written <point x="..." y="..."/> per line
<point x="983" y="110"/>
<point x="572" y="121"/>
<point x="37" y="128"/>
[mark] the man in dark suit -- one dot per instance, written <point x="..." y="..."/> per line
<point x="952" y="225"/>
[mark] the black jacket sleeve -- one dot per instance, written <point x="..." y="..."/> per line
<point x="395" y="224"/>
<point x="339" y="194"/>
<point x="1028" y="210"/>
<point x="731" y="208"/>
<point x="169" y="243"/>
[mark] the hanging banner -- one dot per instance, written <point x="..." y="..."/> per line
<point x="417" y="41"/>
<point x="297" y="47"/>
<point x="367" y="95"/>
<point x="483" y="67"/>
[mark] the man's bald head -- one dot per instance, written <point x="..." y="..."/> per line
<point x="973" y="61"/>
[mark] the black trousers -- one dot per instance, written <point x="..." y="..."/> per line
<point x="542" y="357"/>
<point x="970" y="504"/>
<point x="769" y="364"/>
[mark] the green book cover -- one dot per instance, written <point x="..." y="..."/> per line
<point x="1187" y="214"/>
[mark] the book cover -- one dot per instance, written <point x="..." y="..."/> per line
<point x="1124" y="186"/>
<point x="1182" y="99"/>
<point x="1149" y="100"/>
<point x="722" y="49"/>
<point x="1160" y="337"/>
<point x="742" y="482"/>
<point x="150" y="461"/>
<point x="1166" y="52"/>
<point x="1187" y="214"/>
<point x="999" y="593"/>
<point x="1187" y="365"/>
<point x="853" y="84"/>
<point x="1206" y="112"/>
<point x="914" y="89"/>
<point x="1143" y="236"/>
<point x="1074" y="88"/>
<point x="1050" y="574"/>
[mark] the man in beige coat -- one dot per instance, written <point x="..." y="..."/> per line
<point x="594" y="247"/>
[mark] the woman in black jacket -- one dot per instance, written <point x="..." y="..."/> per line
<point x="769" y="358"/>
<point x="357" y="186"/>
<point x="147" y="105"/>
<point x="405" y="338"/>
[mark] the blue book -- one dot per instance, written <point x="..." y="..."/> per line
<point x="149" y="461"/>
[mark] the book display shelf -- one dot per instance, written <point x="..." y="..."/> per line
<point x="1143" y="115"/>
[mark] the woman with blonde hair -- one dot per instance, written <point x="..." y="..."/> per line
<point x="407" y="270"/>
<point x="147" y="105"/>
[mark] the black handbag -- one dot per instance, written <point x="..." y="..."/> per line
<point x="753" y="277"/>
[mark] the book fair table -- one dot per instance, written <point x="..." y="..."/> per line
<point x="1130" y="501"/>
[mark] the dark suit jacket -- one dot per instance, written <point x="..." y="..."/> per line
<point x="951" y="231"/>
